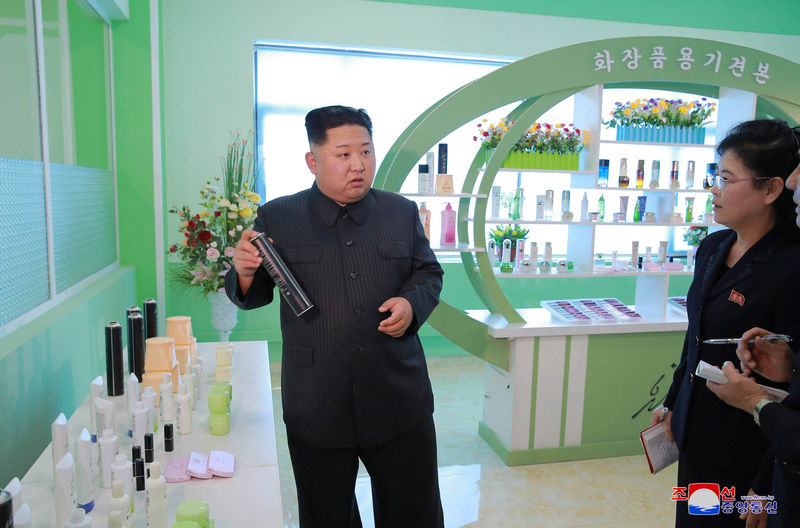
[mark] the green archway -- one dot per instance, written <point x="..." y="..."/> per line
<point x="539" y="82"/>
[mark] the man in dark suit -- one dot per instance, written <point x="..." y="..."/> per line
<point x="354" y="378"/>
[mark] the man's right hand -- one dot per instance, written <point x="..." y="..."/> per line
<point x="774" y="361"/>
<point x="246" y="260"/>
<point x="663" y="415"/>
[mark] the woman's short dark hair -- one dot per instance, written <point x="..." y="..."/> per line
<point x="769" y="148"/>
<point x="320" y="120"/>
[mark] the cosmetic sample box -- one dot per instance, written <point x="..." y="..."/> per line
<point x="605" y="310"/>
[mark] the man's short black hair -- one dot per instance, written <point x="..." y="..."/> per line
<point x="320" y="120"/>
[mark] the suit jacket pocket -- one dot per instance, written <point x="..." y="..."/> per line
<point x="302" y="254"/>
<point x="393" y="249"/>
<point x="298" y="356"/>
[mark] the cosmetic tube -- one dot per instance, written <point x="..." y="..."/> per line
<point x="95" y="391"/>
<point x="189" y="380"/>
<point x="276" y="268"/>
<point x="156" y="516"/>
<point x="505" y="263"/>
<point x="60" y="436"/>
<point x="148" y="448"/>
<point x="122" y="471"/>
<point x="654" y="174"/>
<point x="149" y="400"/>
<point x="662" y="252"/>
<point x="184" y="414"/>
<point x="548" y="252"/>
<point x="136" y="342"/>
<point x="623" y="207"/>
<point x="150" y="318"/>
<point x="84" y="471"/>
<point x="115" y="370"/>
<point x="64" y="498"/>
<point x="78" y="519"/>
<point x="634" y="254"/>
<point x="109" y="444"/>
<point x="166" y="399"/>
<point x="138" y="473"/>
<point x="104" y="415"/>
<point x="132" y="395"/>
<point x="120" y="502"/>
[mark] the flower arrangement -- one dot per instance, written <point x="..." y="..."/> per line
<point x="228" y="206"/>
<point x="661" y="112"/>
<point x="695" y="234"/>
<point x="540" y="137"/>
<point x="511" y="232"/>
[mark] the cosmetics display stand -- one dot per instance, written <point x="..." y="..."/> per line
<point x="251" y="495"/>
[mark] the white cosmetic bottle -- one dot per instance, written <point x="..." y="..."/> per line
<point x="132" y="394"/>
<point x="21" y="511"/>
<point x="166" y="399"/>
<point x="120" y="502"/>
<point x="156" y="487"/>
<point x="142" y="423"/>
<point x="95" y="391"/>
<point x="190" y="380"/>
<point x="115" y="520"/>
<point x="149" y="400"/>
<point x="78" y="519"/>
<point x="184" y="416"/>
<point x="84" y="471"/>
<point x="64" y="498"/>
<point x="122" y="471"/>
<point x="60" y="437"/>
<point x="109" y="444"/>
<point x="104" y="415"/>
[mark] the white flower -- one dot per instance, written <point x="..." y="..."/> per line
<point x="233" y="215"/>
<point x="213" y="244"/>
<point x="231" y="232"/>
<point x="224" y="203"/>
<point x="244" y="204"/>
<point x="212" y="254"/>
<point x="239" y="228"/>
<point x="229" y="251"/>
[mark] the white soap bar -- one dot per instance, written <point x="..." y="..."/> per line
<point x="198" y="466"/>
<point x="221" y="464"/>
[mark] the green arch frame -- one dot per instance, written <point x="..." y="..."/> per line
<point x="567" y="70"/>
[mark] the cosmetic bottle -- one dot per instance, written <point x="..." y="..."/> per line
<point x="615" y="260"/>
<point x="689" y="209"/>
<point x="109" y="444"/>
<point x="654" y="174"/>
<point x="166" y="399"/>
<point x="141" y="419"/>
<point x="96" y="389"/>
<point x="425" y="219"/>
<point x="539" y="207"/>
<point x="198" y="371"/>
<point x="64" y="498"/>
<point x="448" y="236"/>
<point x="444" y="181"/>
<point x="184" y="415"/>
<point x="690" y="175"/>
<point x="135" y="323"/>
<point x="602" y="173"/>
<point x="84" y="471"/>
<point x="709" y="206"/>
<point x="120" y="502"/>
<point x="104" y="415"/>
<point x="491" y="251"/>
<point x="711" y="171"/>
<point x="150" y="314"/>
<point x="623" y="207"/>
<point x="648" y="255"/>
<point x="548" y="204"/>
<point x="132" y="395"/>
<point x="690" y="258"/>
<point x="78" y="519"/>
<point x="662" y="252"/>
<point x="156" y="516"/>
<point x="115" y="370"/>
<point x="566" y="215"/>
<point x="505" y="263"/>
<point x="430" y="159"/>
<point x="585" y="208"/>
<point x="673" y="176"/>
<point x="169" y="438"/>
<point x="634" y="253"/>
<point x="6" y="510"/>
<point x="624" y="181"/>
<point x="546" y="264"/>
<point x="21" y="511"/>
<point x="638" y="210"/>
<point x="423" y="179"/>
<point x="516" y="204"/>
<point x="190" y="380"/>
<point x="60" y="438"/>
<point x="640" y="174"/>
<point x="122" y="471"/>
<point x="149" y="449"/>
<point x="495" y="201"/>
<point x="601" y="207"/>
<point x="520" y="256"/>
<point x="115" y="520"/>
<point x="138" y="473"/>
<point x="534" y="257"/>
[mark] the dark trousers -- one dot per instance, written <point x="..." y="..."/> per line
<point x="692" y="470"/>
<point x="404" y="475"/>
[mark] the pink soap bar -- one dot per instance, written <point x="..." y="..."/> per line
<point x="198" y="466"/>
<point x="652" y="266"/>
<point x="176" y="470"/>
<point x="673" y="266"/>
<point x="221" y="464"/>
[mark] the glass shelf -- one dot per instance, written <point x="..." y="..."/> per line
<point x="434" y="195"/>
<point x="588" y="223"/>
<point x="656" y="144"/>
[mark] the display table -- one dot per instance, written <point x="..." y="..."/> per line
<point x="253" y="493"/>
<point x="575" y="391"/>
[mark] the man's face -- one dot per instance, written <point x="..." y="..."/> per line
<point x="344" y="165"/>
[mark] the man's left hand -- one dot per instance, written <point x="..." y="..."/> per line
<point x="402" y="313"/>
<point x="740" y="391"/>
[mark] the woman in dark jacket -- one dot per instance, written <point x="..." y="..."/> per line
<point x="740" y="281"/>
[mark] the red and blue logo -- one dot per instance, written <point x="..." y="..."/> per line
<point x="703" y="499"/>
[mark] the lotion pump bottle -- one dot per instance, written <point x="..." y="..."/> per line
<point x="585" y="208"/>
<point x="425" y="219"/>
<point x="120" y="502"/>
<point x="448" y="236"/>
<point x="156" y="488"/>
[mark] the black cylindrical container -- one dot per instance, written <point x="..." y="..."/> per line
<point x="442" y="158"/>
<point x="150" y="318"/>
<point x="138" y="473"/>
<point x="6" y="510"/>
<point x="136" y="452"/>
<point x="136" y="344"/>
<point x="148" y="447"/>
<point x="169" y="438"/>
<point x="115" y="371"/>
<point x="290" y="289"/>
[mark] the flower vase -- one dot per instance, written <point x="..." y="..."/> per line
<point x="223" y="314"/>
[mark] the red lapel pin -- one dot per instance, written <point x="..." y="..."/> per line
<point x="736" y="297"/>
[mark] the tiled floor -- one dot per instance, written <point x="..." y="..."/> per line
<point x="479" y="490"/>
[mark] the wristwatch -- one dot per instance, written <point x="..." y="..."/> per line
<point x="757" y="409"/>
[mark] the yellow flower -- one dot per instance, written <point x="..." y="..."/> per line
<point x="505" y="129"/>
<point x="627" y="111"/>
<point x="656" y="109"/>
<point x="683" y="109"/>
<point x="255" y="198"/>
<point x="204" y="214"/>
<point x="662" y="104"/>
<point x="246" y="212"/>
<point x="635" y="105"/>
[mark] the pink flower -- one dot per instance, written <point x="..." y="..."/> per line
<point x="229" y="251"/>
<point x="212" y="254"/>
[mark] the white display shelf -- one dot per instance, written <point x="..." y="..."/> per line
<point x="603" y="223"/>
<point x="539" y="322"/>
<point x="459" y="248"/>
<point x="655" y="144"/>
<point x="546" y="171"/>
<point x="582" y="274"/>
<point x="434" y="195"/>
<point x="659" y="190"/>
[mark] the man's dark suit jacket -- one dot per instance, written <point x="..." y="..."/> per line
<point x="343" y="382"/>
<point x="761" y="289"/>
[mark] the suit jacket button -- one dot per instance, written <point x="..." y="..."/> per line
<point x="348" y="243"/>
<point x="691" y="377"/>
<point x="357" y="311"/>
<point x="696" y="340"/>
<point x="353" y="275"/>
